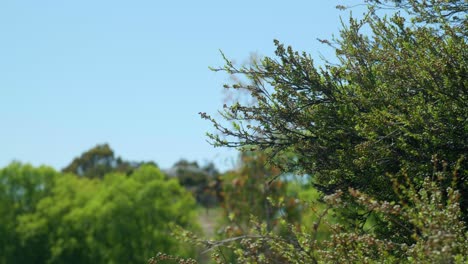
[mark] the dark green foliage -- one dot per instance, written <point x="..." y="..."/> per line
<point x="436" y="12"/>
<point x="392" y="112"/>
<point x="47" y="217"/>
<point x="396" y="102"/>
<point x="203" y="182"/>
<point x="437" y="231"/>
<point x="99" y="161"/>
<point x="21" y="188"/>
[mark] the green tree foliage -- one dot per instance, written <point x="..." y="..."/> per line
<point x="391" y="112"/>
<point x="203" y="182"/>
<point x="55" y="218"/>
<point x="438" y="232"/>
<point x="254" y="190"/>
<point x="310" y="209"/>
<point x="99" y="161"/>
<point x="189" y="173"/>
<point x="21" y="188"/>
<point x="395" y="103"/>
<point x="251" y="192"/>
<point x="431" y="12"/>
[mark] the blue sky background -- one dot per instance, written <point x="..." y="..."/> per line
<point x="134" y="74"/>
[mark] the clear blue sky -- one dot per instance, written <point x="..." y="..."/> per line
<point x="133" y="74"/>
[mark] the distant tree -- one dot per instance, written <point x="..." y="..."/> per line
<point x="252" y="190"/>
<point x="203" y="181"/>
<point x="118" y="219"/>
<point x="100" y="160"/>
<point x="189" y="174"/>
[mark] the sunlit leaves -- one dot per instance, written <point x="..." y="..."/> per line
<point x="68" y="219"/>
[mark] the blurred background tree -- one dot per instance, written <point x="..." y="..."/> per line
<point x="48" y="217"/>
<point x="203" y="182"/>
<point x="252" y="190"/>
<point x="99" y="161"/>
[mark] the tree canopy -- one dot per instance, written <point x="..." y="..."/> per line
<point x="382" y="133"/>
<point x="203" y="181"/>
<point x="21" y="189"/>
<point x="48" y="217"/>
<point x="100" y="160"/>
<point x="394" y="104"/>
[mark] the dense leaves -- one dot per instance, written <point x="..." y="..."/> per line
<point x="392" y="112"/>
<point x="380" y="139"/>
<point x="440" y="236"/>
<point x="396" y="102"/>
<point x="49" y="217"/>
<point x="21" y="188"/>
